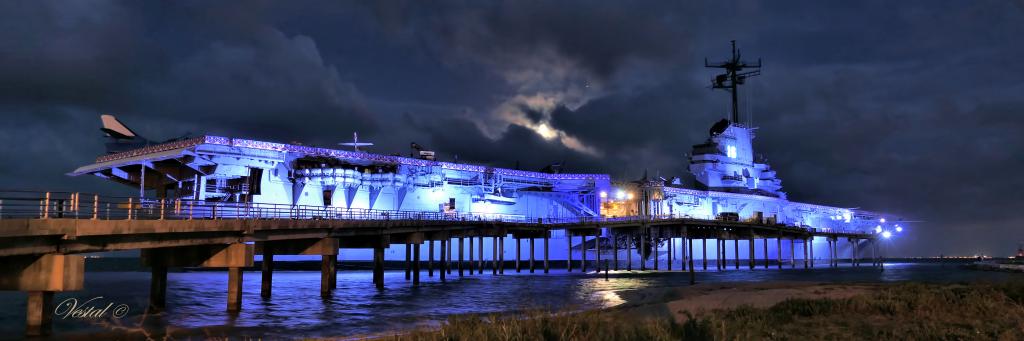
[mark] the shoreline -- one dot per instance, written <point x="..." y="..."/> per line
<point x="776" y="310"/>
<point x="704" y="298"/>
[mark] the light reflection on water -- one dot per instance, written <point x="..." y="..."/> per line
<point x="198" y="299"/>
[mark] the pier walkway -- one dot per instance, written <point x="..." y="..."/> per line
<point x="42" y="235"/>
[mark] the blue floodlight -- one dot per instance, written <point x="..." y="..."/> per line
<point x="886" y="234"/>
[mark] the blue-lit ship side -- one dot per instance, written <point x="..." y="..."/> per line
<point x="219" y="169"/>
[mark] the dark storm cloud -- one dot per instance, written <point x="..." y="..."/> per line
<point x="238" y="76"/>
<point x="912" y="108"/>
<point x="600" y="37"/>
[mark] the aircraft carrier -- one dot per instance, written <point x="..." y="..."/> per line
<point x="729" y="183"/>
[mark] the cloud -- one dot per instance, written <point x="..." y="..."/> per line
<point x="911" y="108"/>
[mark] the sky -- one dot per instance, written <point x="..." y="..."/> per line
<point x="909" y="107"/>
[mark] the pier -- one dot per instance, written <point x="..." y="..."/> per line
<point x="43" y="234"/>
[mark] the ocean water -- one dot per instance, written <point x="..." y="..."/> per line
<point x="196" y="301"/>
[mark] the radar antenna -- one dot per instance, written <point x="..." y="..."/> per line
<point x="733" y="76"/>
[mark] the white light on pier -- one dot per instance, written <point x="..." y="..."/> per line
<point x="878" y="229"/>
<point x="899" y="228"/>
<point x="886" y="234"/>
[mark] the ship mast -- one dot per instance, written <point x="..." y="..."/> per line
<point x="733" y="77"/>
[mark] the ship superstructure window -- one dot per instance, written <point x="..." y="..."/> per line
<point x="730" y="151"/>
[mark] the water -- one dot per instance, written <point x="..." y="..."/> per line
<point x="197" y="300"/>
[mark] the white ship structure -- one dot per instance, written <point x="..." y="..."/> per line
<point x="729" y="184"/>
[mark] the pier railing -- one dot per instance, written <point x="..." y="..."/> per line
<point x="74" y="205"/>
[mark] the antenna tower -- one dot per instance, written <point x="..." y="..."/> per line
<point x="733" y="77"/>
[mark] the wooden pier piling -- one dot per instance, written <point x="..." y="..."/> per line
<point x="546" y="237"/>
<point x="430" y="258"/>
<point x="408" y="261"/>
<point x="519" y="247"/>
<point x="442" y="269"/>
<point x="629" y="251"/>
<point x="583" y="253"/>
<point x="792" y="253"/>
<point x="704" y="250"/>
<point x="158" y="288"/>
<point x="416" y="264"/>
<point x="751" y="252"/>
<point x="778" y="244"/>
<point x="378" y="267"/>
<point x="235" y="289"/>
<point x="568" y="248"/>
<point x="461" y="249"/>
<point x="267" y="269"/>
<point x="736" y="251"/>
<point x="531" y="254"/>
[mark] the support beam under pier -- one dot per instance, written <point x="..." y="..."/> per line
<point x="41" y="276"/>
<point x="232" y="256"/>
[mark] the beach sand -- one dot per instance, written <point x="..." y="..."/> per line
<point x="703" y="298"/>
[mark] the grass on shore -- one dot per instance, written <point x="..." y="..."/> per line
<point x="901" y="311"/>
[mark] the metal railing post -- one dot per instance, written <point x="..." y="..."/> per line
<point x="190" y="202"/>
<point x="162" y="202"/>
<point x="95" y="206"/>
<point x="46" y="206"/>
<point x="130" y="205"/>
